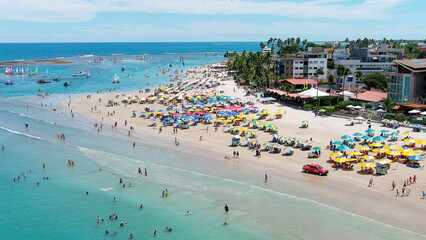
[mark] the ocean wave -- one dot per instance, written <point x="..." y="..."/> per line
<point x="88" y="55"/>
<point x="36" y="119"/>
<point x="20" y="133"/>
<point x="97" y="154"/>
<point x="106" y="189"/>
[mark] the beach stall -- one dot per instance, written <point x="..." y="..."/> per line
<point x="382" y="167"/>
<point x="236" y="140"/>
<point x="305" y="124"/>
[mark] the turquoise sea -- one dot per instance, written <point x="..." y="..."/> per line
<point x="60" y="208"/>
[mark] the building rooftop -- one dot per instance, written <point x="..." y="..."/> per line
<point x="413" y="106"/>
<point x="370" y="96"/>
<point x="415" y="65"/>
<point x="300" y="81"/>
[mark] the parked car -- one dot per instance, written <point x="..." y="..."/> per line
<point x="315" y="168"/>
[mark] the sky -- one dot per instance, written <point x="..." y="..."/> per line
<point x="209" y="20"/>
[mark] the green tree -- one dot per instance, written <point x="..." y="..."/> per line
<point x="358" y="75"/>
<point x="375" y="80"/>
<point x="330" y="82"/>
<point x="298" y="41"/>
<point x="347" y="40"/>
<point x="262" y="45"/>
<point x="287" y="87"/>
<point x="422" y="54"/>
<point x="305" y="42"/>
<point x="319" y="72"/>
<point x="388" y="104"/>
<point x="331" y="65"/>
<point x="412" y="50"/>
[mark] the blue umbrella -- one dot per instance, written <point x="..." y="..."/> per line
<point x="209" y="118"/>
<point x="385" y="131"/>
<point x="343" y="147"/>
<point x="194" y="120"/>
<point x="337" y="143"/>
<point x="366" y="137"/>
<point x="357" y="134"/>
<point x="153" y="120"/>
<point x="379" y="138"/>
<point x="416" y="157"/>
<point x="186" y="117"/>
<point x="178" y="122"/>
<point x="168" y="119"/>
<point x="369" y="130"/>
<point x="345" y="137"/>
<point x="198" y="116"/>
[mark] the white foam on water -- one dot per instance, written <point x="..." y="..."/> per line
<point x="91" y="152"/>
<point x="20" y="133"/>
<point x="106" y="189"/>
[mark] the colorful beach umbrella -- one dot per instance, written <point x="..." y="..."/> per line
<point x="317" y="148"/>
<point x="345" y="137"/>
<point x="343" y="147"/>
<point x="336" y="154"/>
<point x="357" y="134"/>
<point x="417" y="158"/>
<point x="369" y="130"/>
<point x="369" y="164"/>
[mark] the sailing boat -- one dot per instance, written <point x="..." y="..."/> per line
<point x="116" y="79"/>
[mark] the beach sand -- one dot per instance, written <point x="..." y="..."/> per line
<point x="347" y="190"/>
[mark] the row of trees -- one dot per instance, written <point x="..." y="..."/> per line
<point x="287" y="46"/>
<point x="252" y="67"/>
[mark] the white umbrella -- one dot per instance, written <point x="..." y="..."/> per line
<point x="358" y="107"/>
<point x="423" y="113"/>
<point x="359" y="118"/>
<point x="381" y="110"/>
<point x="414" y="111"/>
<point x="350" y="106"/>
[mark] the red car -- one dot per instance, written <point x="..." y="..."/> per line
<point x="315" y="168"/>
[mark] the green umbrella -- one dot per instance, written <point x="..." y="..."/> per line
<point x="317" y="148"/>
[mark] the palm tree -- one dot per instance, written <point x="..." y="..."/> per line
<point x="287" y="87"/>
<point x="388" y="104"/>
<point x="358" y="75"/>
<point x="347" y="40"/>
<point x="280" y="43"/>
<point x="262" y="45"/>
<point x="319" y="72"/>
<point x="305" y="42"/>
<point x="343" y="72"/>
<point x="298" y="41"/>
<point x="330" y="82"/>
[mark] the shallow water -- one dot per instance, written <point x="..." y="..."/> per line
<point x="60" y="209"/>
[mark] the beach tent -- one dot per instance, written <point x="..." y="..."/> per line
<point x="312" y="92"/>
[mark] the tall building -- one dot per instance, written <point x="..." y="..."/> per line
<point x="407" y="81"/>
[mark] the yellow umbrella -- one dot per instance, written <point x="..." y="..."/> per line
<point x="364" y="164"/>
<point x="222" y="118"/>
<point x="253" y="117"/>
<point x="242" y="116"/>
<point x="409" y="153"/>
<point x="207" y="108"/>
<point x="251" y="132"/>
<point x="391" y="147"/>
<point x="379" y="150"/>
<point x="376" y="145"/>
<point x="243" y="129"/>
<point x="355" y="154"/>
<point x="408" y="133"/>
<point x="351" y="160"/>
<point x="340" y="160"/>
<point x="227" y="121"/>
<point x="236" y="129"/>
<point x="336" y="154"/>
<point x="421" y="142"/>
<point x="237" y="119"/>
<point x="368" y="157"/>
<point x="279" y="110"/>
<point x="230" y="118"/>
<point x="271" y="114"/>
<point x="198" y="110"/>
<point x="171" y="111"/>
<point x="409" y="140"/>
<point x="393" y="153"/>
<point x="364" y="148"/>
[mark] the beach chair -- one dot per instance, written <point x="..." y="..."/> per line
<point x="421" y="168"/>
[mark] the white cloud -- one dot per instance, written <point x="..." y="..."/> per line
<point x="85" y="10"/>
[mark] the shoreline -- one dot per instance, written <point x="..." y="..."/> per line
<point x="352" y="186"/>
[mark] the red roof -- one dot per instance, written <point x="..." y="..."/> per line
<point x="300" y="81"/>
<point x="371" y="96"/>
<point x="413" y="106"/>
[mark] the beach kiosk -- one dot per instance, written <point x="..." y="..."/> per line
<point x="382" y="167"/>
<point x="236" y="140"/>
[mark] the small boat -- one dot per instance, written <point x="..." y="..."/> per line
<point x="116" y="79"/>
<point x="42" y="81"/>
<point x="66" y="84"/>
<point x="40" y="90"/>
<point x="8" y="82"/>
<point x="80" y="74"/>
<point x="56" y="79"/>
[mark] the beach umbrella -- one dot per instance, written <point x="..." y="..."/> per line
<point x="355" y="153"/>
<point x="385" y="131"/>
<point x="343" y="147"/>
<point x="393" y="153"/>
<point x="305" y="122"/>
<point x="222" y="118"/>
<point x="385" y="159"/>
<point x="256" y="142"/>
<point x="408" y="133"/>
<point x="376" y="145"/>
<point x="345" y="137"/>
<point x="379" y="139"/>
<point x="276" y="145"/>
<point x="256" y="122"/>
<point x="275" y="136"/>
<point x="266" y="144"/>
<point x="369" y="164"/>
<point x="308" y="141"/>
<point x="178" y="122"/>
<point x="394" y="134"/>
<point x="391" y="146"/>
<point x="317" y="148"/>
<point x="243" y="129"/>
<point x="153" y="120"/>
<point x="236" y="129"/>
<point x="404" y="149"/>
<point x="368" y="157"/>
<point x="340" y="159"/>
<point x="350" y="120"/>
<point x="364" y="148"/>
<point x="416" y="157"/>
<point x="409" y="153"/>
<point x="366" y="137"/>
<point x="247" y="139"/>
<point x="409" y="140"/>
<point x="357" y="134"/>
<point x="337" y="143"/>
<point x="351" y="141"/>
<point x="369" y="130"/>
<point x="288" y="149"/>
<point x="379" y="150"/>
<point x="251" y="132"/>
<point x="421" y="142"/>
<point x="335" y="154"/>
<point x="209" y="118"/>
<point x="195" y="120"/>
<point x="321" y="110"/>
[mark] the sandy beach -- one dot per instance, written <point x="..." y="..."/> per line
<point x="344" y="189"/>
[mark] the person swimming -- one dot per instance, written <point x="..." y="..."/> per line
<point x="188" y="213"/>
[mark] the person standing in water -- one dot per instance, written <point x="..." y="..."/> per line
<point x="266" y="177"/>
<point x="226" y="208"/>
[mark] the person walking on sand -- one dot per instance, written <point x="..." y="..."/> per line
<point x="238" y="154"/>
<point x="201" y="138"/>
<point x="235" y="153"/>
<point x="414" y="179"/>
<point x="371" y="182"/>
<point x="266" y="177"/>
<point x="424" y="195"/>
<point x="393" y="185"/>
